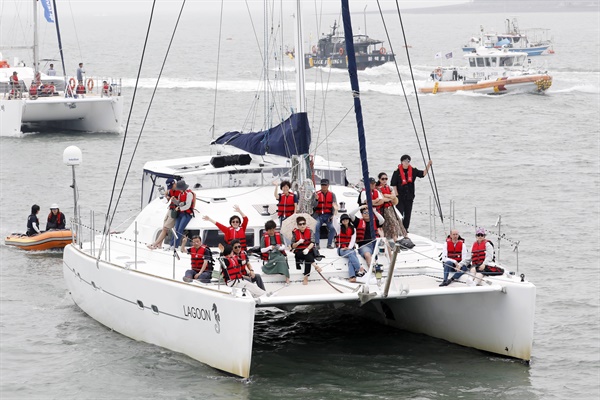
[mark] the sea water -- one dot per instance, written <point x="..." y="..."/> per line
<point x="531" y="159"/>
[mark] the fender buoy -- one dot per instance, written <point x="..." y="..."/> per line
<point x="90" y="84"/>
<point x="382" y="50"/>
<point x="4" y="64"/>
<point x="72" y="83"/>
<point x="341" y="51"/>
<point x="314" y="49"/>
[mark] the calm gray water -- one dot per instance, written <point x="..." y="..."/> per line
<point x="533" y="159"/>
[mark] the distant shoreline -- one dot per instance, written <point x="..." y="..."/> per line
<point x="496" y="6"/>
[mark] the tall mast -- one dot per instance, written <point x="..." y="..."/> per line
<point x="299" y="62"/>
<point x="35" y="39"/>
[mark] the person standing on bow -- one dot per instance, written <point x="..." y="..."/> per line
<point x="325" y="206"/>
<point x="302" y="246"/>
<point x="33" y="223"/>
<point x="172" y="195"/>
<point x="236" y="229"/>
<point x="272" y="251"/>
<point x="202" y="261"/>
<point x="393" y="227"/>
<point x="80" y="72"/>
<point x="404" y="186"/>
<point x="455" y="257"/>
<point x="244" y="261"/>
<point x="51" y="71"/>
<point x="287" y="201"/>
<point x="345" y="241"/>
<point x="56" y="219"/>
<point x="185" y="208"/>
<point x="376" y="196"/>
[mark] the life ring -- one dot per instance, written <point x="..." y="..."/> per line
<point x="72" y="83"/>
<point x="90" y="84"/>
<point x="341" y="51"/>
<point x="382" y="50"/>
<point x="314" y="49"/>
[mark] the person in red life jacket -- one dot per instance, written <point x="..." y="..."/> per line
<point x="201" y="258"/>
<point x="185" y="208"/>
<point x="393" y="227"/>
<point x="403" y="182"/>
<point x="345" y="241"/>
<point x="106" y="89"/>
<point x="364" y="240"/>
<point x="236" y="229"/>
<point x="232" y="272"/>
<point x="455" y="257"/>
<point x="80" y="89"/>
<point x="56" y="219"/>
<point x="247" y="271"/>
<point x="482" y="255"/>
<point x="272" y="250"/>
<point x="48" y="90"/>
<point x="15" y="85"/>
<point x="33" y="90"/>
<point x="287" y="201"/>
<point x="376" y="196"/>
<point x="302" y="246"/>
<point x="171" y="195"/>
<point x="325" y="206"/>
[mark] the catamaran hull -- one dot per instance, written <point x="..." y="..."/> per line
<point x="498" y="322"/>
<point x="519" y="84"/>
<point x="210" y="326"/>
<point x="531" y="51"/>
<point x="90" y="114"/>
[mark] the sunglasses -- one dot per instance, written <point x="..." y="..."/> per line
<point x="384" y="179"/>
<point x="301" y="223"/>
<point x="237" y="247"/>
<point x="480" y="234"/>
<point x="235" y="222"/>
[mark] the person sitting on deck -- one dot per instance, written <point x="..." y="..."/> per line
<point x="287" y="202"/>
<point x="232" y="272"/>
<point x="302" y="246"/>
<point x="482" y="259"/>
<point x="365" y="242"/>
<point x="56" y="219"/>
<point x="106" y="89"/>
<point x="171" y="195"/>
<point x="345" y="241"/>
<point x="455" y="257"/>
<point x="273" y="252"/>
<point x="235" y="230"/>
<point x="325" y="206"/>
<point x="247" y="270"/>
<point x="48" y="90"/>
<point x="202" y="262"/>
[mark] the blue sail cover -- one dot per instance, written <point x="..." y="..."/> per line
<point x="291" y="137"/>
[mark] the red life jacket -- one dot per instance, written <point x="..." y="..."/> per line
<point x="478" y="252"/>
<point x="265" y="256"/>
<point x="80" y="89"/>
<point x="343" y="239"/>
<point x="230" y="233"/>
<point x="198" y="256"/>
<point x="307" y="236"/>
<point x="234" y="269"/>
<point x="360" y="230"/>
<point x="325" y="205"/>
<point x="243" y="256"/>
<point x="455" y="250"/>
<point x="173" y="193"/>
<point x="183" y="198"/>
<point x="403" y="177"/>
<point x="49" y="89"/>
<point x="385" y="189"/>
<point x="33" y="90"/>
<point x="105" y="88"/>
<point x="285" y="207"/>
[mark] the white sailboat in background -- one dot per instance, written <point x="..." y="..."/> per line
<point x="118" y="281"/>
<point x="40" y="101"/>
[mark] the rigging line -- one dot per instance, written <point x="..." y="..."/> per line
<point x="148" y="109"/>
<point x="217" y="76"/>
<point x="112" y="192"/>
<point x="432" y="178"/>
<point x="76" y="36"/>
<point x="412" y="119"/>
<point x="334" y="128"/>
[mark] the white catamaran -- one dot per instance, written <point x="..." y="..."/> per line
<point x="37" y="100"/>
<point x="117" y="280"/>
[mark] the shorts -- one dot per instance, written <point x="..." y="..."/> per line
<point x="169" y="222"/>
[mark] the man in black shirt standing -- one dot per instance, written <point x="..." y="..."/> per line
<point x="403" y="182"/>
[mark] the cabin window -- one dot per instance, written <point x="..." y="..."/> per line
<point x="487" y="62"/>
<point x="472" y="62"/>
<point x="506" y="61"/>
<point x="480" y="62"/>
<point x="494" y="61"/>
<point x="335" y="177"/>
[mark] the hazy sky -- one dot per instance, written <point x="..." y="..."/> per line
<point x="109" y="7"/>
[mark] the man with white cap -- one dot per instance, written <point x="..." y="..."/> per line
<point x="56" y="219"/>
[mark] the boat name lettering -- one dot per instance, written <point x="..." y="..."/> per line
<point x="198" y="313"/>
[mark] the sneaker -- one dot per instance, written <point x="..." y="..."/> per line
<point x="352" y="279"/>
<point x="444" y="283"/>
<point x="330" y="246"/>
<point x="187" y="279"/>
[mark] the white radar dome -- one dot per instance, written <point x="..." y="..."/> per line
<point x="72" y="155"/>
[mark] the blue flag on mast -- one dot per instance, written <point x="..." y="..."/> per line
<point x="48" y="11"/>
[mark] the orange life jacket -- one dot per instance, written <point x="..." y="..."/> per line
<point x="403" y="176"/>
<point x="285" y="206"/>
<point x="307" y="236"/>
<point x="343" y="239"/>
<point x="265" y="256"/>
<point x="455" y="250"/>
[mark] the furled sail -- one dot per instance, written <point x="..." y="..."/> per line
<point x="291" y="137"/>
